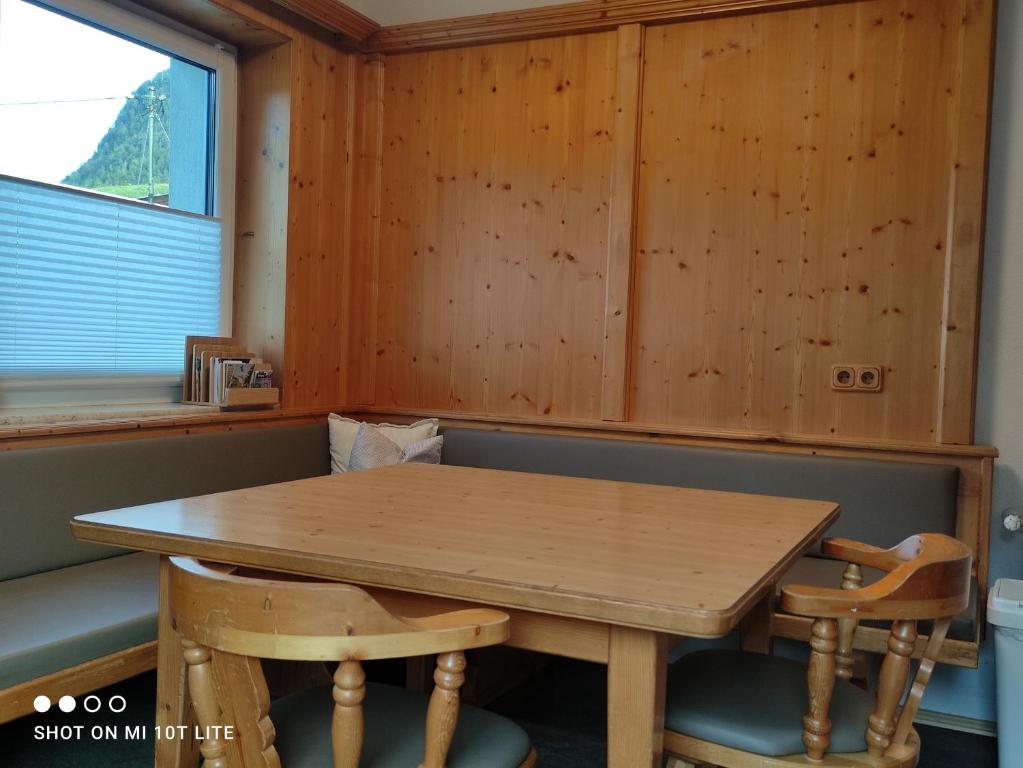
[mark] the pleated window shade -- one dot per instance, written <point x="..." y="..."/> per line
<point x="94" y="285"/>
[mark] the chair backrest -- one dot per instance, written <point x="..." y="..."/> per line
<point x="228" y="621"/>
<point x="927" y="577"/>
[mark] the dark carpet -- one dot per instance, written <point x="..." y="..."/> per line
<point x="563" y="709"/>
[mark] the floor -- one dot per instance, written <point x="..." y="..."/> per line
<point x="568" y="733"/>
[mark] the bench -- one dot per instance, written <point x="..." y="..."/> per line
<point x="75" y="617"/>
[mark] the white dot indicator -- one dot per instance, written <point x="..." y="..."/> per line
<point x="67" y="703"/>
<point x="42" y="704"/>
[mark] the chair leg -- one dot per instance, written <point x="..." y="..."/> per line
<point x="821" y="685"/>
<point x="845" y="656"/>
<point x="891" y="685"/>
<point x="204" y="701"/>
<point x="442" y="714"/>
<point x="347" y="729"/>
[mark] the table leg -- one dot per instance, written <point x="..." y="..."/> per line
<point x="755" y="629"/>
<point x="637" y="670"/>
<point x="173" y="750"/>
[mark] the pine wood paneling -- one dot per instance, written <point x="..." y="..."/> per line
<point x="319" y="220"/>
<point x="362" y="274"/>
<point x="264" y="137"/>
<point x="810" y="191"/>
<point x="794" y="212"/>
<point x="964" y="242"/>
<point x="622" y="229"/>
<point x="494" y="224"/>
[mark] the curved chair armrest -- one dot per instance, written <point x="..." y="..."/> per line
<point x="458" y="631"/>
<point x="824" y="602"/>
<point x="864" y="554"/>
<point x="907" y="593"/>
<point x="276" y="618"/>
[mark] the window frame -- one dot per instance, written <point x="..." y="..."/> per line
<point x="145" y="27"/>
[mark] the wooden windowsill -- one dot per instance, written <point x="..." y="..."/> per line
<point x="77" y="414"/>
<point x="47" y="426"/>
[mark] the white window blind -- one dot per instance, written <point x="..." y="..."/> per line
<point x="96" y="285"/>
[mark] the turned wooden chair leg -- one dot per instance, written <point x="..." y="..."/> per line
<point x="202" y="690"/>
<point x="346" y="732"/>
<point x="442" y="714"/>
<point x="891" y="685"/>
<point x="845" y="659"/>
<point x="821" y="685"/>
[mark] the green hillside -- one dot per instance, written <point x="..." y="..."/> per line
<point x="121" y="161"/>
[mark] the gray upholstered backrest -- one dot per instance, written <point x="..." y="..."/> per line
<point x="883" y="502"/>
<point x="43" y="488"/>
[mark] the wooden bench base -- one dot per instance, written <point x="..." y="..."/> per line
<point x="89" y="676"/>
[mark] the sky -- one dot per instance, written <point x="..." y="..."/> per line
<point x="47" y="57"/>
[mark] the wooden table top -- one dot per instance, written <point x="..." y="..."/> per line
<point x="669" y="559"/>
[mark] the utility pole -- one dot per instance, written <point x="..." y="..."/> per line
<point x="153" y="103"/>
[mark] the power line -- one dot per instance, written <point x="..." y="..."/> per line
<point x="164" y="127"/>
<point x="58" y="101"/>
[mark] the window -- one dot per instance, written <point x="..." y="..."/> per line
<point x="116" y="198"/>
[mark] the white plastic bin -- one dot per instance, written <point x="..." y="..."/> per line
<point x="1005" y="613"/>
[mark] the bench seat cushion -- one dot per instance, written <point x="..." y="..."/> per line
<point x="819" y="572"/>
<point x="55" y="620"/>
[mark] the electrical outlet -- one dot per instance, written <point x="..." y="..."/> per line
<point x="868" y="378"/>
<point x="843" y="377"/>
<point x="857" y="378"/>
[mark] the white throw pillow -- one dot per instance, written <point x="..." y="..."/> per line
<point x="373" y="449"/>
<point x="343" y="431"/>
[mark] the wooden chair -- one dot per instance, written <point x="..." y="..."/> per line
<point x="738" y="710"/>
<point x="229" y="622"/>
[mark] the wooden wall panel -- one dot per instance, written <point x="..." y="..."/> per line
<point x="622" y="224"/>
<point x="362" y="272"/>
<point x="260" y="257"/>
<point x="494" y="225"/>
<point x="795" y="213"/>
<point x="319" y="220"/>
<point x="957" y="388"/>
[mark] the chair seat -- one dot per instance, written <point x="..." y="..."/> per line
<point x="54" y="620"/>
<point x="395" y="723"/>
<point x="756" y="703"/>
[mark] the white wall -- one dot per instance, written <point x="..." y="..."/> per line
<point x="388" y="12"/>
<point x="1000" y="394"/>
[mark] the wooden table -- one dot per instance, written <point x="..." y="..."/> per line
<point x="602" y="571"/>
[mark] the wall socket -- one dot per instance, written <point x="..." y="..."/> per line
<point x="857" y="378"/>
